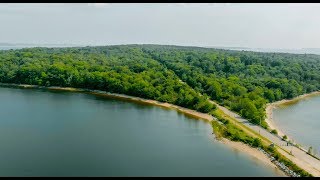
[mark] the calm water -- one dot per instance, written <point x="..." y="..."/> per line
<point x="46" y="133"/>
<point x="301" y="121"/>
<point x="10" y="47"/>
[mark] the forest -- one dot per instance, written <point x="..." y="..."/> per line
<point x="242" y="81"/>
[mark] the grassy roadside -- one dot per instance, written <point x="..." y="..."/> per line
<point x="231" y="129"/>
<point x="221" y="116"/>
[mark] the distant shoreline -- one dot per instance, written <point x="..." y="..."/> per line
<point x="269" y="110"/>
<point x="186" y="111"/>
<point x="192" y="113"/>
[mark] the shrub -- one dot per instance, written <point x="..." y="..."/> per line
<point x="256" y="142"/>
<point x="274" y="132"/>
<point x="284" y="137"/>
<point x="310" y="150"/>
<point x="271" y="149"/>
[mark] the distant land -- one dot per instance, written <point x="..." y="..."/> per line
<point x="275" y="50"/>
<point x="34" y="45"/>
<point x="282" y="50"/>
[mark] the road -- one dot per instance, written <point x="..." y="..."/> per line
<point x="300" y="157"/>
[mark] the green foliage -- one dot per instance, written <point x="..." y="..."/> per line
<point x="218" y="130"/>
<point x="273" y="131"/>
<point x="256" y="142"/>
<point x="230" y="131"/>
<point x="221" y="130"/>
<point x="117" y="69"/>
<point x="240" y="80"/>
<point x="273" y="151"/>
<point x="186" y="76"/>
<point x="285" y="137"/>
<point x="310" y="150"/>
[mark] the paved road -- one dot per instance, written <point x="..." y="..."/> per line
<point x="301" y="158"/>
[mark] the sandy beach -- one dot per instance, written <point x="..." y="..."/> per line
<point x="255" y="153"/>
<point x="269" y="119"/>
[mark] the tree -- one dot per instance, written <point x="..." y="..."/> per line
<point x="284" y="137"/>
<point x="273" y="131"/>
<point x="256" y="142"/>
<point x="243" y="81"/>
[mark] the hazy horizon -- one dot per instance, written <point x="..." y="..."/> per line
<point x="280" y="50"/>
<point x="268" y="26"/>
<point x="70" y="44"/>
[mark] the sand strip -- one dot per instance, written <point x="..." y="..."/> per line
<point x="271" y="106"/>
<point x="255" y="153"/>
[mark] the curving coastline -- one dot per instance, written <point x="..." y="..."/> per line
<point x="255" y="153"/>
<point x="271" y="106"/>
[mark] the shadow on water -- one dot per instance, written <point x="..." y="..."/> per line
<point x="106" y="97"/>
<point x="141" y="104"/>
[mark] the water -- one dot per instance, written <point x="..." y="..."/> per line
<point x="301" y="121"/>
<point x="47" y="133"/>
<point x="15" y="47"/>
<point x="11" y="47"/>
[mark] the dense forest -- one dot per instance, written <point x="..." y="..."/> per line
<point x="186" y="76"/>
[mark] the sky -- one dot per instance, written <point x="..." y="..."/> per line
<point x="203" y="24"/>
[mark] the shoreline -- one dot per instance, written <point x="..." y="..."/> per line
<point x="253" y="152"/>
<point x="271" y="106"/>
<point x="188" y="112"/>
